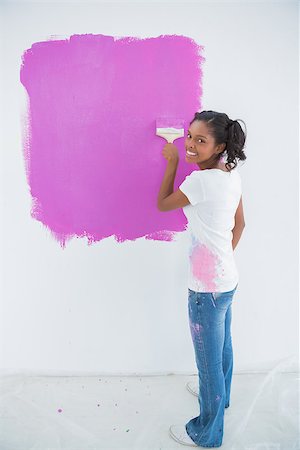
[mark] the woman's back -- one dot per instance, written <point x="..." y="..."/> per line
<point x="214" y="196"/>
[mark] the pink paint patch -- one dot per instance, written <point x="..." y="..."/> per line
<point x="195" y="328"/>
<point x="94" y="163"/>
<point x="203" y="265"/>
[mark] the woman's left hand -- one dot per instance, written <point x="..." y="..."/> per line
<point x="170" y="152"/>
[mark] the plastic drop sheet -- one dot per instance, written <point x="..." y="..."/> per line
<point x="135" y="412"/>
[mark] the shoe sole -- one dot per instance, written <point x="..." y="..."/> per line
<point x="180" y="441"/>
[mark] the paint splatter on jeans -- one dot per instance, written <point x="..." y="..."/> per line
<point x="210" y="321"/>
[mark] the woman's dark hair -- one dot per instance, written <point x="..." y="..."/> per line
<point x="225" y="130"/>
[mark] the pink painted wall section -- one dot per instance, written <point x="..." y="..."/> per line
<point x="94" y="164"/>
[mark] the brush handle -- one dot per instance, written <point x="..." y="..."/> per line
<point x="169" y="137"/>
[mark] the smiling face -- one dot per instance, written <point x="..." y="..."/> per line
<point x="201" y="148"/>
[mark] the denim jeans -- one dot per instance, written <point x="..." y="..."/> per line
<point x="210" y="320"/>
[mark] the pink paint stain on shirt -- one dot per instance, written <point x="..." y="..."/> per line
<point x="203" y="265"/>
<point x="94" y="164"/>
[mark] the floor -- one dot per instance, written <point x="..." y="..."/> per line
<point x="135" y="412"/>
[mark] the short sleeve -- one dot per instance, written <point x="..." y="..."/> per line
<point x="193" y="187"/>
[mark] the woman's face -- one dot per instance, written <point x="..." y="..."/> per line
<point x="200" y="146"/>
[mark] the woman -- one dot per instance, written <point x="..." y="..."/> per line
<point x="211" y="198"/>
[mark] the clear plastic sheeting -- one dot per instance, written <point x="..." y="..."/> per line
<point x="135" y="412"/>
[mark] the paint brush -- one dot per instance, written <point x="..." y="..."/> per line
<point x="169" y="128"/>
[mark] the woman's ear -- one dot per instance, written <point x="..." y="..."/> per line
<point x="222" y="147"/>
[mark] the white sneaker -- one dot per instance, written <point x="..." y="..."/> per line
<point x="179" y="434"/>
<point x="193" y="388"/>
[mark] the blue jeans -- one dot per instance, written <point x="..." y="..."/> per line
<point x="210" y="320"/>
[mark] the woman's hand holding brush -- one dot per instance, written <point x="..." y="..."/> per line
<point x="170" y="152"/>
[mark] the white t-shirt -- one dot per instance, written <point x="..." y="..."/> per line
<point x="214" y="196"/>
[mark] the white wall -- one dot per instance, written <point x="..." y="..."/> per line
<point x="61" y="310"/>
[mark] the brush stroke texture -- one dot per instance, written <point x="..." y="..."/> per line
<point x="94" y="164"/>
